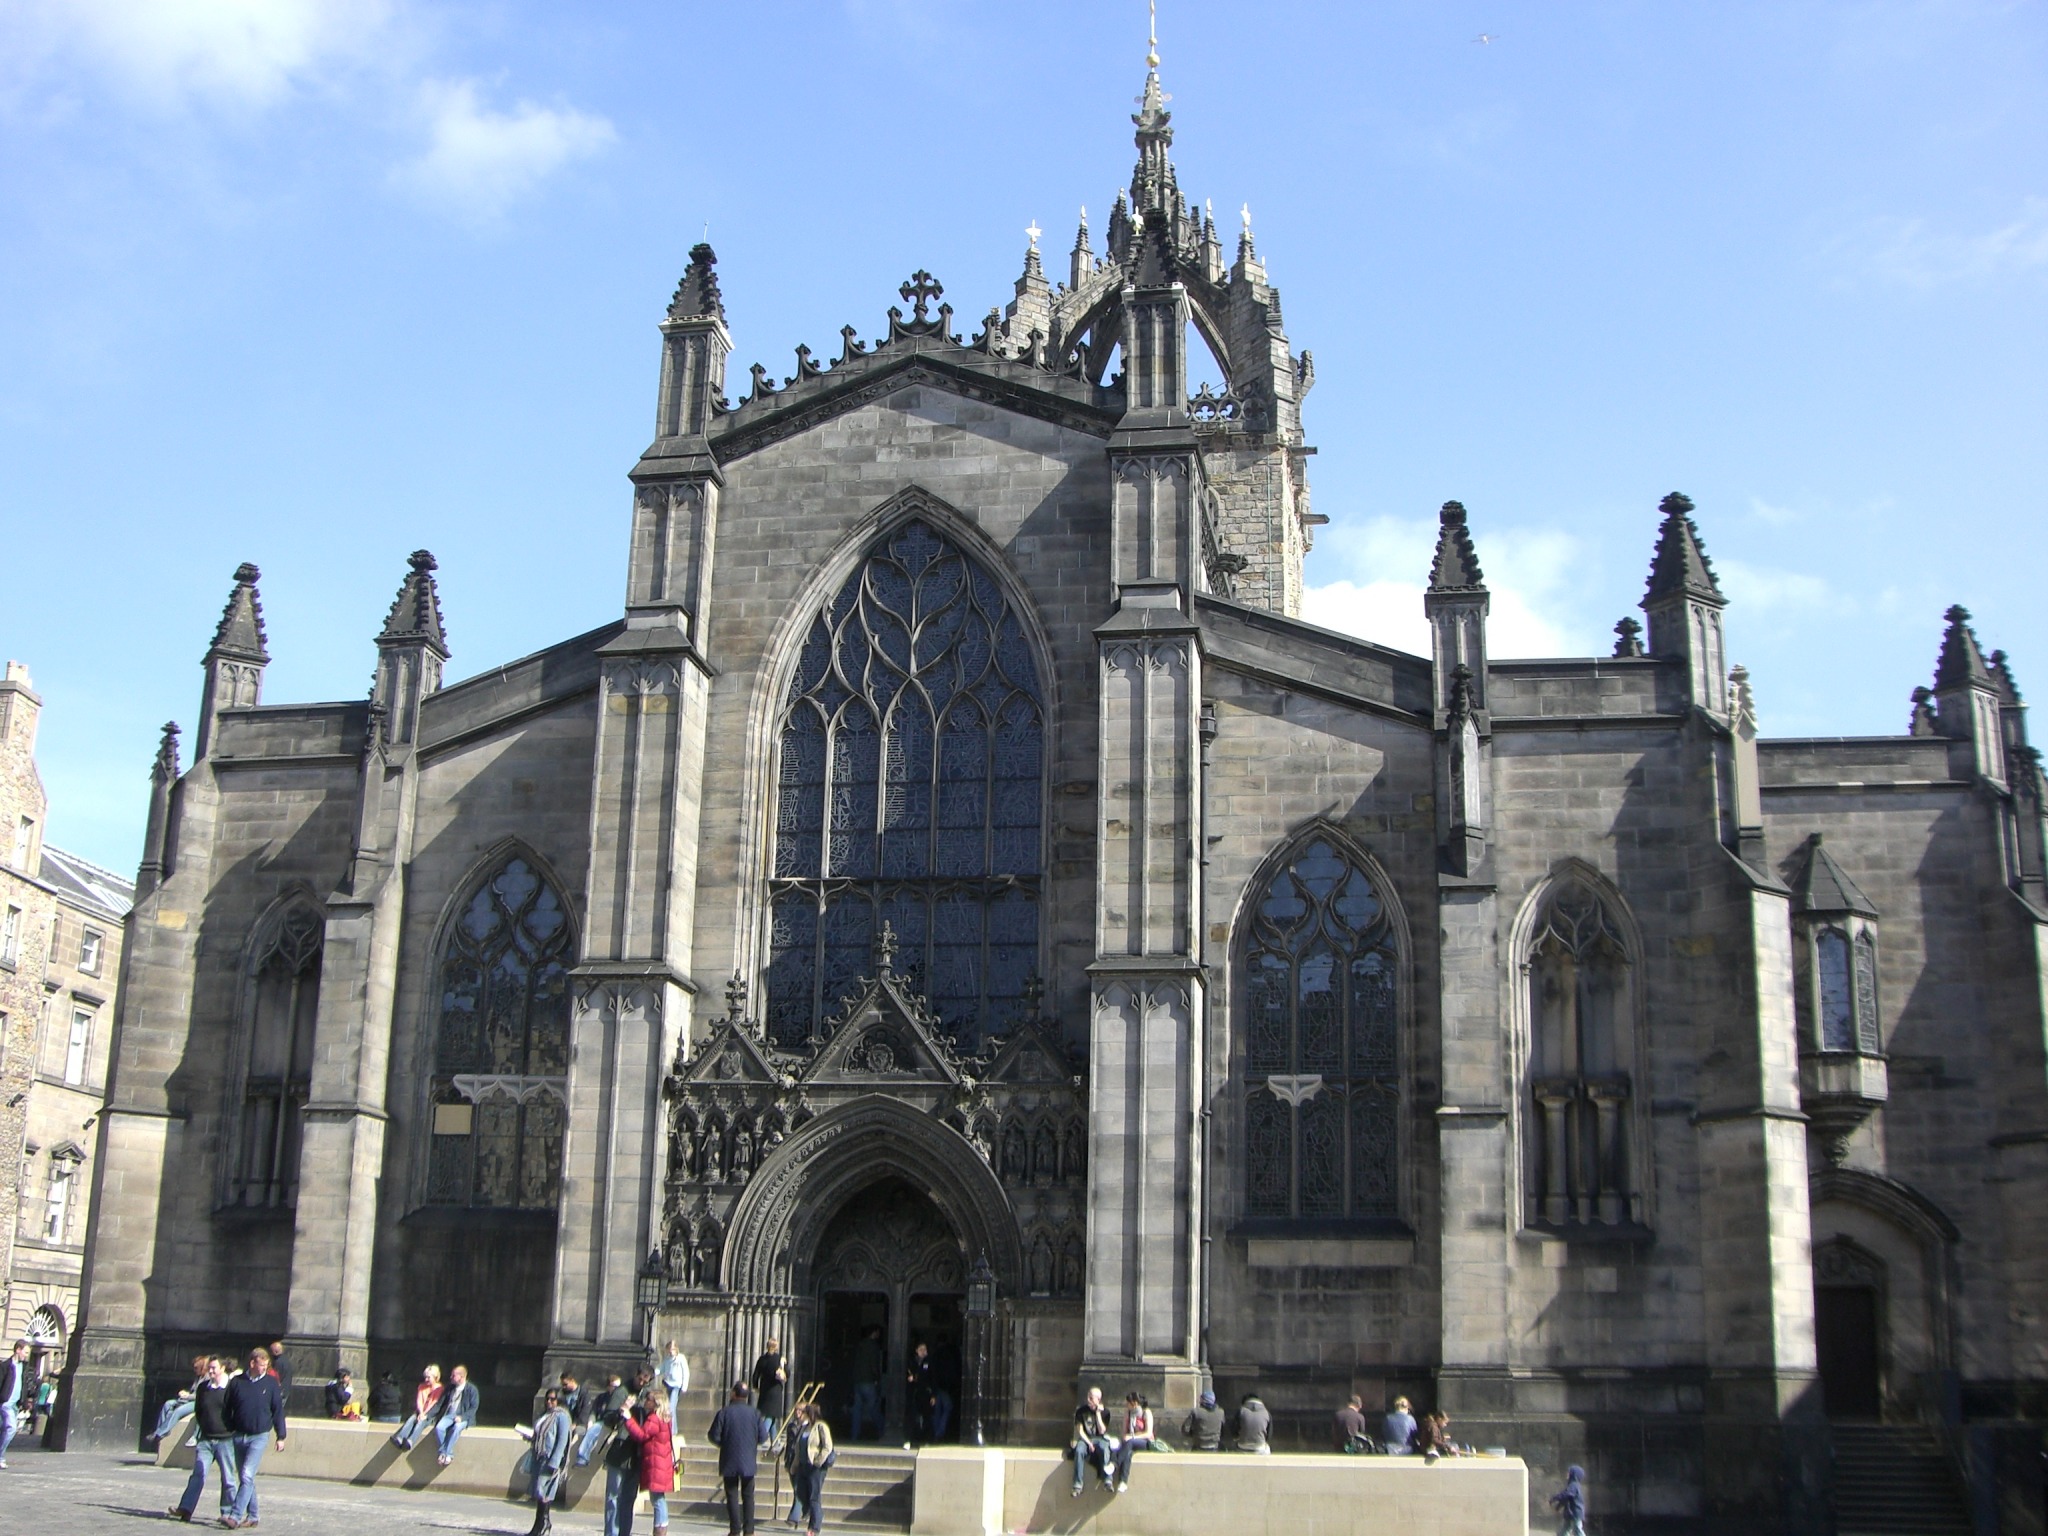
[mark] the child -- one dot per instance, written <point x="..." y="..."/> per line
<point x="1570" y="1503"/>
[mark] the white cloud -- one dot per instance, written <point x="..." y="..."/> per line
<point x="240" y="53"/>
<point x="1764" y="588"/>
<point x="1912" y="254"/>
<point x="1532" y="574"/>
<point x="479" y="159"/>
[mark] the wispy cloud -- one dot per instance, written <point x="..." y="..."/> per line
<point x="1532" y="574"/>
<point x="1768" y="589"/>
<point x="1912" y="253"/>
<point x="479" y="160"/>
<point x="204" y="53"/>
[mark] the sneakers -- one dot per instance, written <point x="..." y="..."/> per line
<point x="179" y="1514"/>
<point x="1123" y="1487"/>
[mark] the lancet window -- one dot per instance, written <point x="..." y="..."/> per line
<point x="501" y="1046"/>
<point x="910" y="792"/>
<point x="1322" y="1093"/>
<point x="1582" y="1153"/>
<point x="277" y="1076"/>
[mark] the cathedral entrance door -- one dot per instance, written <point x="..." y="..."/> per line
<point x="890" y="1261"/>
<point x="1845" y="1339"/>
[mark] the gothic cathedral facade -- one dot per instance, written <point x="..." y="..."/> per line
<point x="959" y="863"/>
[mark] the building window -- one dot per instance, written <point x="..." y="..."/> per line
<point x="10" y="937"/>
<point x="910" y="792"/>
<point x="499" y="1087"/>
<point x="57" y="1210"/>
<point x="78" y="1047"/>
<point x="1322" y="1093"/>
<point x="24" y="841"/>
<point x="92" y="944"/>
<point x="1582" y="1153"/>
<point x="284" y="1000"/>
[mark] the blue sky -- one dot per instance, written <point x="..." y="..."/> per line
<point x="317" y="282"/>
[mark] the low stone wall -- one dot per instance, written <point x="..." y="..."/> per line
<point x="962" y="1491"/>
<point x="337" y="1451"/>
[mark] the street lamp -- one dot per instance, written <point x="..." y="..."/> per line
<point x="651" y="1289"/>
<point x="981" y="1308"/>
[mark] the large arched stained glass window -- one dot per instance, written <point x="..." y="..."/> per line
<point x="501" y="1050"/>
<point x="1322" y="1073"/>
<point x="911" y="792"/>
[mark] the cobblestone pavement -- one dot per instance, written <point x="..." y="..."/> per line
<point x="46" y="1494"/>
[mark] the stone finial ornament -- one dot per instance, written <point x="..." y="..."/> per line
<point x="1680" y="565"/>
<point x="697" y="296"/>
<point x="1628" y="637"/>
<point x="1961" y="663"/>
<point x="1456" y="566"/>
<point x="240" y="631"/>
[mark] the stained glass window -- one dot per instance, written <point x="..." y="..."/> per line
<point x="1321" y="1083"/>
<point x="278" y="1075"/>
<point x="1837" y="991"/>
<point x="501" y="1051"/>
<point x="911" y="792"/>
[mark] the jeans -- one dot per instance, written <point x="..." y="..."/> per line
<point x="446" y="1433"/>
<point x="675" y="1402"/>
<point x="866" y="1409"/>
<point x="589" y="1442"/>
<point x="9" y="1423"/>
<point x="1090" y="1453"/>
<point x="941" y="1414"/>
<point x="739" y="1506"/>
<point x="249" y="1451"/>
<point x="172" y="1411"/>
<point x="659" y="1501"/>
<point x="621" y="1487"/>
<point x="409" y="1432"/>
<point x="1124" y="1453"/>
<point x="220" y="1454"/>
<point x="810" y="1486"/>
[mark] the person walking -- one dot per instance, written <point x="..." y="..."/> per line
<point x="13" y="1389"/>
<point x="815" y="1457"/>
<point x="1093" y="1444"/>
<point x="736" y="1431"/>
<point x="1204" y="1424"/>
<point x="213" y="1445"/>
<point x="1138" y="1436"/>
<point x="1397" y="1434"/>
<point x="1254" y="1426"/>
<point x="1570" y="1503"/>
<point x="1348" y="1434"/>
<point x="675" y="1380"/>
<point x="456" y="1413"/>
<point x="44" y="1405"/>
<point x="552" y="1434"/>
<point x="425" y="1399"/>
<point x="771" y="1386"/>
<point x="867" y="1388"/>
<point x="655" y="1436"/>
<point x="621" y="1459"/>
<point x="256" y="1418"/>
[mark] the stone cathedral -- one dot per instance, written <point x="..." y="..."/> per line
<point x="959" y="854"/>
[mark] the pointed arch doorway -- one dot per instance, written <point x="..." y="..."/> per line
<point x="888" y="1273"/>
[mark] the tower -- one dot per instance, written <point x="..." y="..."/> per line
<point x="412" y="649"/>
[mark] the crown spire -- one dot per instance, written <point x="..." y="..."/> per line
<point x="240" y="631"/>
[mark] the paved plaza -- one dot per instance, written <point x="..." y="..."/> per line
<point x="46" y="1494"/>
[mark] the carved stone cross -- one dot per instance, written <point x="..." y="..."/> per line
<point x="736" y="998"/>
<point x="920" y="291"/>
<point x="885" y="946"/>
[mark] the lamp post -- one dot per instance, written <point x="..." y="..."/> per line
<point x="981" y="1309"/>
<point x="651" y="1290"/>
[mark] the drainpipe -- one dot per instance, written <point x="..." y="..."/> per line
<point x="1202" y="1115"/>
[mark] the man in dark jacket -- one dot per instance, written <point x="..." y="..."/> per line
<point x="255" y="1415"/>
<point x="456" y="1413"/>
<point x="281" y="1368"/>
<point x="14" y="1391"/>
<point x="340" y="1395"/>
<point x="622" y="1456"/>
<point x="1204" y="1424"/>
<point x="1348" y="1433"/>
<point x="213" y="1444"/>
<point x="387" y="1403"/>
<point x="771" y="1378"/>
<point x="736" y="1431"/>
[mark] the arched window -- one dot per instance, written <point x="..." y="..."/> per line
<point x="911" y="792"/>
<point x="501" y="1048"/>
<point x="278" y="1070"/>
<point x="1582" y="1149"/>
<point x="1322" y="1093"/>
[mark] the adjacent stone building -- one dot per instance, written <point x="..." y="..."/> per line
<point x="60" y="964"/>
<point x="959" y="853"/>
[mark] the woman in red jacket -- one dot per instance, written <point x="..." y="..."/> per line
<point x="655" y="1435"/>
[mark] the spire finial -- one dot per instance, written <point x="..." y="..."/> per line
<point x="1152" y="41"/>
<point x="1033" y="231"/>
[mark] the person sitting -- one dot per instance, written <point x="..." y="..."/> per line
<point x="1138" y="1436"/>
<point x="1348" y="1431"/>
<point x="340" y="1396"/>
<point x="387" y="1403"/>
<point x="181" y="1406"/>
<point x="1203" y="1426"/>
<point x="1432" y="1436"/>
<point x="1254" y="1426"/>
<point x="425" y="1399"/>
<point x="1398" y="1432"/>
<point x="1093" y="1443"/>
<point x="456" y="1413"/>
